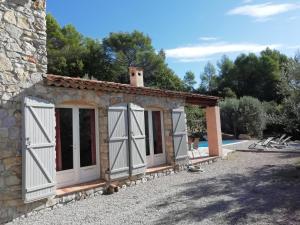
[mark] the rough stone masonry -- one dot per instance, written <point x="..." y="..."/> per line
<point x="23" y="61"/>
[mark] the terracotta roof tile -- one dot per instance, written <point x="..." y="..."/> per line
<point x="79" y="83"/>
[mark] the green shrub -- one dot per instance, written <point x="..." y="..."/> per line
<point x="196" y="121"/>
<point x="229" y="110"/>
<point x="252" y="118"/>
<point x="244" y="115"/>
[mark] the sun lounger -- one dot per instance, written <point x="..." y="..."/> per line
<point x="265" y="143"/>
<point x="283" y="143"/>
<point x="279" y="139"/>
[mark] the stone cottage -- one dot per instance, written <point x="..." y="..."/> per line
<point x="62" y="135"/>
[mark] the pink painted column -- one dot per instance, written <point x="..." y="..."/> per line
<point x="214" y="131"/>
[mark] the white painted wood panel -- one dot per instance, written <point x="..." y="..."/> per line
<point x="38" y="167"/>
<point x="179" y="134"/>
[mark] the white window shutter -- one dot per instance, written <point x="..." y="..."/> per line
<point x="38" y="150"/>
<point x="179" y="134"/>
<point x="137" y="139"/>
<point x="118" y="141"/>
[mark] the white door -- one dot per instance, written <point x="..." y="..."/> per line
<point x="154" y="130"/>
<point x="77" y="144"/>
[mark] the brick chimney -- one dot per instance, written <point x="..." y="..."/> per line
<point x="136" y="76"/>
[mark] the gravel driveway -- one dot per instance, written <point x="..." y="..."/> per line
<point x="248" y="188"/>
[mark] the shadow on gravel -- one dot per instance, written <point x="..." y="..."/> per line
<point x="289" y="155"/>
<point x="270" y="194"/>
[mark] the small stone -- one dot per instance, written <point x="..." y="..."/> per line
<point x="29" y="49"/>
<point x="5" y="64"/>
<point x="23" y="23"/>
<point x="51" y="202"/>
<point x="144" y="180"/>
<point x="3" y="113"/>
<point x="13" y="31"/>
<point x="138" y="182"/>
<point x="3" y="133"/>
<point x="12" y="180"/>
<point x="9" y="17"/>
<point x="89" y="192"/>
<point x="9" y="122"/>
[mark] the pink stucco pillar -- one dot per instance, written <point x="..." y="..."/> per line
<point x="214" y="131"/>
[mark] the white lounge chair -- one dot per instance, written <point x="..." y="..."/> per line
<point x="265" y="143"/>
<point x="283" y="143"/>
<point x="278" y="140"/>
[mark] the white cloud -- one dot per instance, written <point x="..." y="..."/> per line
<point x="202" y="52"/>
<point x="247" y="1"/>
<point x="263" y="11"/>
<point x="208" y="38"/>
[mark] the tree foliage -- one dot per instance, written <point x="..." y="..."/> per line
<point x="189" y="81"/>
<point x="196" y="121"/>
<point x="209" y="79"/>
<point x="72" y="54"/>
<point x="243" y="116"/>
<point x="290" y="89"/>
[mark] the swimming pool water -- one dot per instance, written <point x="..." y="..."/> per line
<point x="224" y="142"/>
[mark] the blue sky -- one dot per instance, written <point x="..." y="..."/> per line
<point x="191" y="32"/>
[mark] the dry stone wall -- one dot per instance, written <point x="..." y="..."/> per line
<point x="23" y="61"/>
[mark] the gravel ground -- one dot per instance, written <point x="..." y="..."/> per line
<point x="248" y="188"/>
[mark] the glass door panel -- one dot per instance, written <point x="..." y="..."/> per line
<point x="157" y="134"/>
<point x="147" y="133"/>
<point x="87" y="137"/>
<point x="64" y="139"/>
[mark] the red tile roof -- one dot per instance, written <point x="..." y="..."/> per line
<point x="79" y="83"/>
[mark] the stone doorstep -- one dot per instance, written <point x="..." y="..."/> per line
<point x="80" y="187"/>
<point x="160" y="168"/>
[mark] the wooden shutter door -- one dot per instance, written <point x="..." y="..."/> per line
<point x="39" y="149"/>
<point x="179" y="134"/>
<point x="118" y="141"/>
<point x="137" y="140"/>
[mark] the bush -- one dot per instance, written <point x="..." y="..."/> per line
<point x="229" y="110"/>
<point x="252" y="118"/>
<point x="243" y="116"/>
<point x="196" y="121"/>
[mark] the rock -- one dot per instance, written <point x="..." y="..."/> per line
<point x="13" y="46"/>
<point x="29" y="49"/>
<point x="3" y="113"/>
<point x="23" y="23"/>
<point x="9" y="16"/>
<point x="3" y="133"/>
<point x="9" y="121"/>
<point x="5" y="64"/>
<point x="12" y="180"/>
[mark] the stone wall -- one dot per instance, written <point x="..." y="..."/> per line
<point x="23" y="61"/>
<point x="101" y="101"/>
